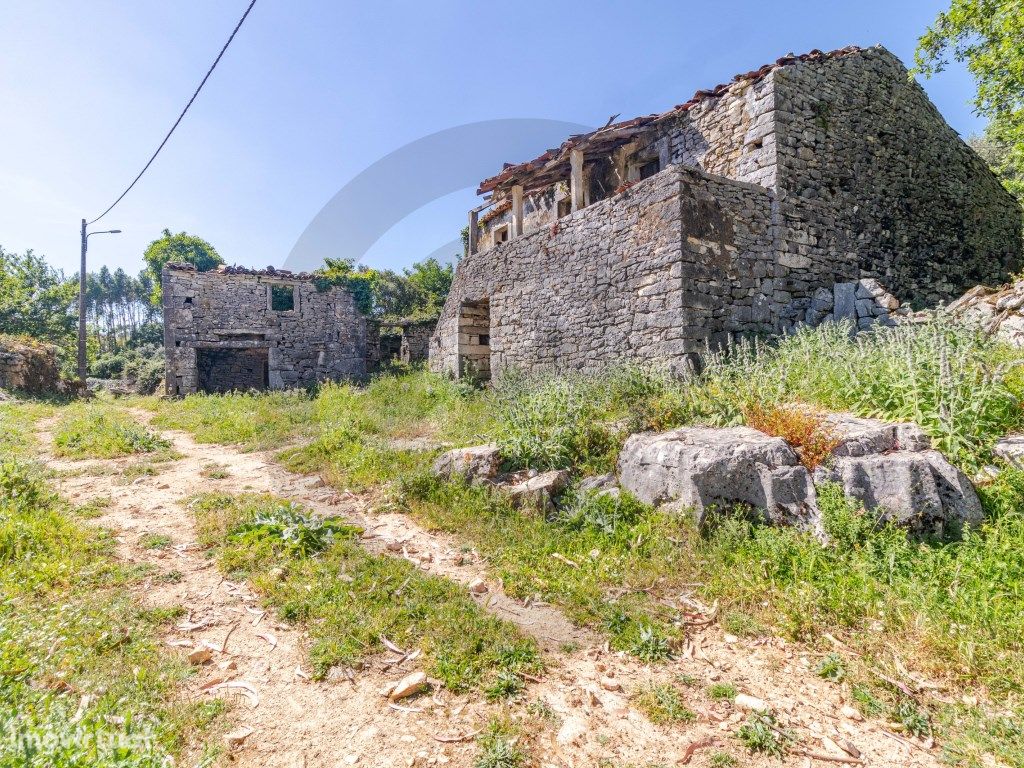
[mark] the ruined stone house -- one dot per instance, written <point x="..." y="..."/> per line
<point x="733" y="213"/>
<point x="242" y="329"/>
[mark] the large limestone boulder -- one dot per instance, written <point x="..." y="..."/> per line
<point x="918" y="490"/>
<point x="704" y="468"/>
<point x="888" y="467"/>
<point x="473" y="464"/>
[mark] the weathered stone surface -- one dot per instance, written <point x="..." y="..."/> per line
<point x="28" y="366"/>
<point x="997" y="312"/>
<point x="598" y="483"/>
<point x="539" y="492"/>
<point x="705" y="468"/>
<point x="919" y="490"/>
<point x="478" y="462"/>
<point x="864" y="437"/>
<point x="1011" y="450"/>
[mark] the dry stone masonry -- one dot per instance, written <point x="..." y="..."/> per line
<point x="28" y="366"/>
<point x="801" y="192"/>
<point x="238" y="329"/>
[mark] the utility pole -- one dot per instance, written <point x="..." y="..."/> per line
<point x="81" y="310"/>
<point x="81" y="300"/>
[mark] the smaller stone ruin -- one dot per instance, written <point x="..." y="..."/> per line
<point x="28" y="366"/>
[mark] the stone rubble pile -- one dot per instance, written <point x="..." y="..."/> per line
<point x="998" y="311"/>
<point x="889" y="468"/>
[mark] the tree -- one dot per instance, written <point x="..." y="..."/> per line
<point x="387" y="295"/>
<point x="432" y="281"/>
<point x="35" y="299"/>
<point x="987" y="35"/>
<point x="181" y="247"/>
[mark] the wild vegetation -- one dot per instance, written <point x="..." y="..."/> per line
<point x="84" y="682"/>
<point x="312" y="571"/>
<point x="98" y="430"/>
<point x="948" y="610"/>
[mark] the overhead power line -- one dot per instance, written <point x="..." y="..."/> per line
<point x="182" y="115"/>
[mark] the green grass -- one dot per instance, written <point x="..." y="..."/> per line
<point x="254" y="421"/>
<point x="348" y="599"/>
<point x="831" y="668"/>
<point x="722" y="691"/>
<point x="499" y="746"/>
<point x="155" y="541"/>
<point x="663" y="703"/>
<point x="953" y="610"/>
<point x="84" y="682"/>
<point x="760" y="733"/>
<point x="99" y="430"/>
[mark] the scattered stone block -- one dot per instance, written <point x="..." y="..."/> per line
<point x="540" y="491"/>
<point x="474" y="464"/>
<point x="918" y="490"/>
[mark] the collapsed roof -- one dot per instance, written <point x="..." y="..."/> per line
<point x="553" y="165"/>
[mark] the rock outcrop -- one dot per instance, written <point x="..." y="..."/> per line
<point x="889" y="468"/>
<point x="706" y="468"/>
<point x="474" y="464"/>
<point x="997" y="311"/>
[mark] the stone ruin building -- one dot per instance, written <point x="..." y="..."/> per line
<point x="242" y="329"/>
<point x="799" y="192"/>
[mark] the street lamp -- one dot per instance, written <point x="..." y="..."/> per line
<point x="81" y="299"/>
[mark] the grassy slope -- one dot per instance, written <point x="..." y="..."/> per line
<point x="83" y="682"/>
<point x="99" y="429"/>
<point x="949" y="610"/>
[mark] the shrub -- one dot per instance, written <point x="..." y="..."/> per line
<point x="761" y="734"/>
<point x="550" y="423"/>
<point x="296" y="533"/>
<point x="951" y="379"/>
<point x="803" y="428"/>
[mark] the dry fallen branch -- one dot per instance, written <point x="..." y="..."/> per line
<point x="830" y="758"/>
<point x="456" y="739"/>
<point x="692" y="747"/>
<point x="240" y="686"/>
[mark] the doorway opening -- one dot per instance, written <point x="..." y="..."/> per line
<point x="475" y="340"/>
<point x="232" y="369"/>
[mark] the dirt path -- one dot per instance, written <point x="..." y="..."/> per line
<point x="587" y="692"/>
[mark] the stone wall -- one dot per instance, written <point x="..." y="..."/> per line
<point x="416" y="340"/>
<point x="28" y="366"/>
<point x="650" y="274"/>
<point x="872" y="182"/>
<point x="322" y="336"/>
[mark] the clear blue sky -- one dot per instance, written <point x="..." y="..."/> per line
<point x="312" y="92"/>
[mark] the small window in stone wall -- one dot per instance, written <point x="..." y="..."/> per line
<point x="501" y="234"/>
<point x="282" y="298"/>
<point x="650" y="168"/>
<point x="564" y="207"/>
